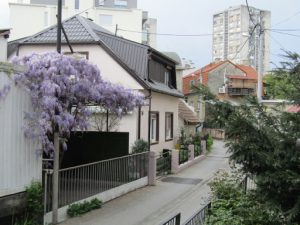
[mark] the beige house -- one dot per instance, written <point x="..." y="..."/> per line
<point x="124" y="62"/>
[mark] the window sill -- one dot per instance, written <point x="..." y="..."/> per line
<point x="169" y="139"/>
<point x="154" y="143"/>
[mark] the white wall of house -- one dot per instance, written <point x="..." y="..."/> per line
<point x="43" y="16"/>
<point x="163" y="104"/>
<point x="19" y="161"/>
<point x="110" y="70"/>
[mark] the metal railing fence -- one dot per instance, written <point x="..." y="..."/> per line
<point x="163" y="163"/>
<point x="183" y="156"/>
<point x="175" y="220"/>
<point x="197" y="149"/>
<point x="199" y="217"/>
<point x="79" y="182"/>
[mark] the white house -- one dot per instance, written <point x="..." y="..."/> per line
<point x="128" y="63"/>
<point x="114" y="15"/>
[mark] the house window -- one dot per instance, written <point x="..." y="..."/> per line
<point x="169" y="126"/>
<point x="76" y="4"/>
<point x="167" y="77"/>
<point x="105" y="20"/>
<point x="46" y="19"/>
<point x="154" y="127"/>
<point x="121" y="3"/>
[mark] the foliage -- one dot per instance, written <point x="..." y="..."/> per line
<point x="263" y="143"/>
<point x="139" y="146"/>
<point x="81" y="208"/>
<point x="33" y="214"/>
<point x="277" y="86"/>
<point x="287" y="78"/>
<point x="61" y="89"/>
<point x="209" y="142"/>
<point x="232" y="205"/>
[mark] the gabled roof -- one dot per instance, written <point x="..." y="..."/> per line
<point x="250" y="73"/>
<point x="186" y="113"/>
<point x="132" y="56"/>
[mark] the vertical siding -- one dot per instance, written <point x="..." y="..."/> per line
<point x="19" y="163"/>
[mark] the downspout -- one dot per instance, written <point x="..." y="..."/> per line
<point x="139" y="123"/>
<point x="149" y="119"/>
<point x="149" y="112"/>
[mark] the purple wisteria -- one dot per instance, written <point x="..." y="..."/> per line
<point x="61" y="89"/>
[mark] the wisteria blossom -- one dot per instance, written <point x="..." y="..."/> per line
<point x="61" y="88"/>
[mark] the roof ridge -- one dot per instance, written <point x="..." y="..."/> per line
<point x="87" y="27"/>
<point x="43" y="31"/>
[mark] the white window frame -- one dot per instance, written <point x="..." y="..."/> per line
<point x="169" y="126"/>
<point x="154" y="127"/>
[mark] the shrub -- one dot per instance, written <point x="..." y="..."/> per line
<point x="33" y="213"/>
<point x="232" y="205"/>
<point x="139" y="146"/>
<point x="84" y="207"/>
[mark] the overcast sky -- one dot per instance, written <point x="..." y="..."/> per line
<point x="195" y="17"/>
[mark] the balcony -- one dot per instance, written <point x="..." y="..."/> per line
<point x="240" y="91"/>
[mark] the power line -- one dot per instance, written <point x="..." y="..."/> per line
<point x="249" y="12"/>
<point x="168" y="34"/>
<point x="277" y="42"/>
<point x="287" y="19"/>
<point x="284" y="29"/>
<point x="279" y="32"/>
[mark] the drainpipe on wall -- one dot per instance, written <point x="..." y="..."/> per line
<point x="149" y="118"/>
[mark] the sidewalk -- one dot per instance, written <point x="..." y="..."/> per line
<point x="184" y="192"/>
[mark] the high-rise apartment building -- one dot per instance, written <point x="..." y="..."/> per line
<point x="118" y="16"/>
<point x="242" y="38"/>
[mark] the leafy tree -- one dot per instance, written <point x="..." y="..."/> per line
<point x="263" y="143"/>
<point x="284" y="81"/>
<point x="61" y="89"/>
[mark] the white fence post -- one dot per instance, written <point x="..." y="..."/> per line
<point x="152" y="169"/>
<point x="175" y="161"/>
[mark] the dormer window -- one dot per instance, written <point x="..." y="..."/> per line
<point x="167" y="77"/>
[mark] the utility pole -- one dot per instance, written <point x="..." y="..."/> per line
<point x="260" y="64"/>
<point x="55" y="177"/>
